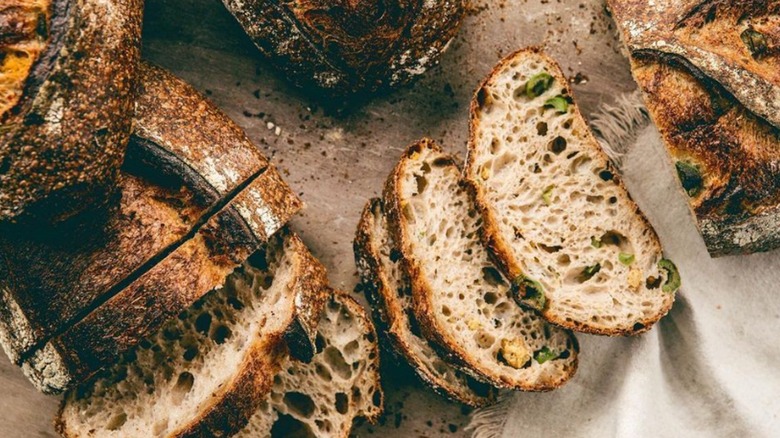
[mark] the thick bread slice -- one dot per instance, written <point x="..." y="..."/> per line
<point x="205" y="372"/>
<point x="461" y="300"/>
<point x="323" y="398"/>
<point x="558" y="219"/>
<point x="64" y="137"/>
<point x="387" y="288"/>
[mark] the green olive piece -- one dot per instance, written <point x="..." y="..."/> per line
<point x="690" y="177"/>
<point x="559" y="103"/>
<point x="538" y="84"/>
<point x="626" y="259"/>
<point x="589" y="272"/>
<point x="672" y="276"/>
<point x="755" y="42"/>
<point x="595" y="242"/>
<point x="547" y="195"/>
<point x="529" y="292"/>
<point x="544" y="354"/>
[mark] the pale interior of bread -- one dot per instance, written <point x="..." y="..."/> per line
<point x="324" y="397"/>
<point x="558" y="207"/>
<point x="18" y="56"/>
<point x="168" y="380"/>
<point x="397" y="295"/>
<point x="471" y="303"/>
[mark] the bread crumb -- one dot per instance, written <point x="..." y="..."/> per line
<point x="473" y="324"/>
<point x="515" y="352"/>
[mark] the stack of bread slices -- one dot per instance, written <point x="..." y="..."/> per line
<point x="478" y="276"/>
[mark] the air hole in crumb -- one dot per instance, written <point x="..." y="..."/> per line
<point x="557" y="145"/>
<point x="612" y="200"/>
<point x="190" y="354"/>
<point x="541" y="128"/>
<point x="220" y="334"/>
<point x="377" y="398"/>
<point x="638" y="326"/>
<point x="492" y="276"/>
<point x="484" y="339"/>
<point x="653" y="282"/>
<point x="300" y="404"/>
<point x="183" y="386"/>
<point x="357" y="396"/>
<point x="490" y="298"/>
<point x="287" y="426"/>
<point x="606" y="175"/>
<point x="116" y="421"/>
<point x="445" y="310"/>
<point x="203" y="323"/>
<point x="342" y="403"/>
<point x="422" y="183"/>
<point x="323" y="373"/>
<point x="335" y="359"/>
<point x="351" y="347"/>
<point x="495" y="145"/>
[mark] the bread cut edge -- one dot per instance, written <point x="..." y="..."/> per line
<point x="497" y="246"/>
<point x="387" y="311"/>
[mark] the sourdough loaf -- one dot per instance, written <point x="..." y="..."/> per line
<point x="463" y="304"/>
<point x="387" y="288"/>
<point x="557" y="217"/>
<point x="344" y="47"/>
<point x="207" y="371"/>
<point x="323" y="398"/>
<point x="191" y="198"/>
<point x="710" y="76"/>
<point x="67" y="78"/>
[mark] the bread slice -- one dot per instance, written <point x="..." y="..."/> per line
<point x="558" y="219"/>
<point x="387" y="288"/>
<point x="461" y="300"/>
<point x="323" y="398"/>
<point x="205" y="372"/>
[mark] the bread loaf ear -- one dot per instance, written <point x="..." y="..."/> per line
<point x="67" y="82"/>
<point x="347" y="47"/>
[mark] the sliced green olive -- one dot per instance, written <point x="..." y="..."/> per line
<point x="755" y="42"/>
<point x="589" y="272"/>
<point x="559" y="103"/>
<point x="626" y="259"/>
<point x="538" y="84"/>
<point x="529" y="291"/>
<point x="547" y="195"/>
<point x="595" y="242"/>
<point x="544" y="354"/>
<point x="672" y="276"/>
<point x="690" y="177"/>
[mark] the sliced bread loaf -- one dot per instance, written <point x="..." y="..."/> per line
<point x="387" y="288"/>
<point x="324" y="397"/>
<point x="558" y="220"/>
<point x="205" y="372"/>
<point x="461" y="300"/>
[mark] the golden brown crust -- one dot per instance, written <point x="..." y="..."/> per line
<point x="387" y="310"/>
<point x="64" y="141"/>
<point x="344" y="47"/>
<point x="716" y="119"/>
<point x="498" y="246"/>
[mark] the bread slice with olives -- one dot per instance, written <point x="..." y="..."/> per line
<point x="387" y="288"/>
<point x="207" y="371"/>
<point x="557" y="218"/>
<point x="323" y="398"/>
<point x="463" y="304"/>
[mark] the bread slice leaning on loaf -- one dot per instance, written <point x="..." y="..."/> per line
<point x="387" y="288"/>
<point x="461" y="301"/>
<point x="558" y="220"/>
<point x="323" y="398"/>
<point x="205" y="372"/>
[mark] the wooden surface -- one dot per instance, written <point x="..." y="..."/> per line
<point x="337" y="162"/>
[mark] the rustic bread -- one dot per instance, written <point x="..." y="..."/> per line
<point x="341" y="383"/>
<point x="710" y="77"/>
<point x="343" y="48"/>
<point x="205" y="372"/>
<point x="67" y="78"/>
<point x="558" y="220"/>
<point x="461" y="301"/>
<point x="387" y="288"/>
<point x="190" y="198"/>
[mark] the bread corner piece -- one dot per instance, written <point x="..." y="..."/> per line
<point x="557" y="217"/>
<point x="323" y="398"/>
<point x="462" y="302"/>
<point x="205" y="372"/>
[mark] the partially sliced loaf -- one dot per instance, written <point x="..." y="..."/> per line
<point x="205" y="372"/>
<point x="558" y="220"/>
<point x="387" y="288"/>
<point x="324" y="397"/>
<point x="461" y="300"/>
